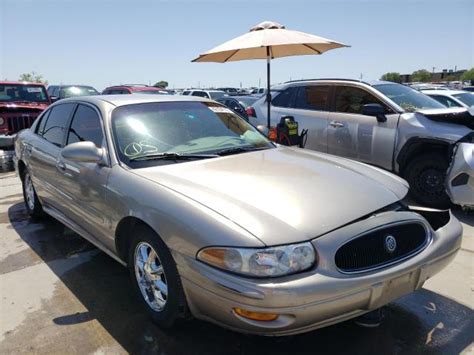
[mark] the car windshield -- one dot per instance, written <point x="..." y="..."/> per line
<point x="407" y="98"/>
<point x="217" y="94"/>
<point x="151" y="129"/>
<point x="72" y="91"/>
<point x="465" y="97"/>
<point x="19" y="92"/>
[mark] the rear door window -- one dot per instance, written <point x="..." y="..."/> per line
<point x="86" y="126"/>
<point x="41" y="124"/>
<point x="350" y="99"/>
<point x="313" y="97"/>
<point x="55" y="126"/>
<point x="285" y="98"/>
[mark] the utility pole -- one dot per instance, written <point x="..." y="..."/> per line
<point x="434" y="69"/>
<point x="361" y="76"/>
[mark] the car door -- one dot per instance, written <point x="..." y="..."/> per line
<point x="44" y="153"/>
<point x="354" y="135"/>
<point x="84" y="184"/>
<point x="308" y="105"/>
<point x="311" y="112"/>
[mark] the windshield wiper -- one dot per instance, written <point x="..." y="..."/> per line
<point x="236" y="150"/>
<point x="173" y="156"/>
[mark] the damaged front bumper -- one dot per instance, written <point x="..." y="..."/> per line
<point x="460" y="177"/>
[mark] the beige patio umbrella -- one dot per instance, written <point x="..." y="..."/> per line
<point x="268" y="40"/>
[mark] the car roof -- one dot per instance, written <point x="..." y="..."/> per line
<point x="121" y="100"/>
<point x="20" y="83"/>
<point x="133" y="87"/>
<point x="72" y="85"/>
<point x="333" y="80"/>
<point x="444" y="92"/>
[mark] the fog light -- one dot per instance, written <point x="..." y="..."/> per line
<point x="256" y="315"/>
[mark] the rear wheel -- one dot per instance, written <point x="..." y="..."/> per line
<point x="156" y="279"/>
<point x="426" y="175"/>
<point x="32" y="203"/>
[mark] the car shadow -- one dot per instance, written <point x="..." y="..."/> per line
<point x="423" y="322"/>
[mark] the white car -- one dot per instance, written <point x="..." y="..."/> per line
<point x="208" y="94"/>
<point x="452" y="98"/>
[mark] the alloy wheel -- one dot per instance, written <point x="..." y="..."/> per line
<point x="150" y="276"/>
<point x="29" y="192"/>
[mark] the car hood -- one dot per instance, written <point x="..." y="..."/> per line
<point x="23" y="106"/>
<point x="283" y="195"/>
<point x="454" y="115"/>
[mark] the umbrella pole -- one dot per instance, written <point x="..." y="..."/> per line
<point x="269" y="96"/>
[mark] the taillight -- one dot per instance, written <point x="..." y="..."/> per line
<point x="251" y="112"/>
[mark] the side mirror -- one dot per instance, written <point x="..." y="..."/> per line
<point x="375" y="110"/>
<point x="54" y="98"/>
<point x="84" y="152"/>
<point x="263" y="129"/>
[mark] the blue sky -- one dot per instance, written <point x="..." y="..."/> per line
<point x="110" y="42"/>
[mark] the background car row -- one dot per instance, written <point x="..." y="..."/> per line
<point x="411" y="134"/>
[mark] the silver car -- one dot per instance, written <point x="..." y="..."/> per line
<point x="214" y="220"/>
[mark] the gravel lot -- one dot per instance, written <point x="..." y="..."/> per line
<point x="59" y="294"/>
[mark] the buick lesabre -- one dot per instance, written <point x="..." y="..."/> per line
<point x="215" y="221"/>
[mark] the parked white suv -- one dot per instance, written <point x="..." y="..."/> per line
<point x="208" y="94"/>
<point x="382" y="123"/>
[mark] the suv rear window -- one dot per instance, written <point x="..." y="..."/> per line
<point x="285" y="98"/>
<point x="314" y="97"/>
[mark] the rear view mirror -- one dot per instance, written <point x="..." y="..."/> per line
<point x="263" y="129"/>
<point x="84" y="152"/>
<point x="375" y="110"/>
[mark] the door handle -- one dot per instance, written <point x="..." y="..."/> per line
<point x="61" y="166"/>
<point x="336" y="124"/>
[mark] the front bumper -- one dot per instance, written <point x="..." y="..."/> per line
<point x="316" y="298"/>
<point x="460" y="180"/>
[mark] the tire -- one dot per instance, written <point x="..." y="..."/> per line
<point x="32" y="203"/>
<point x="426" y="175"/>
<point x="174" y="309"/>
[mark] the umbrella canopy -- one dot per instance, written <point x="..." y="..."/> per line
<point x="281" y="42"/>
<point x="268" y="40"/>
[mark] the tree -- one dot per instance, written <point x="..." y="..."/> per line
<point x="161" y="84"/>
<point x="421" y="75"/>
<point x="468" y="75"/>
<point x="392" y="76"/>
<point x="33" y="77"/>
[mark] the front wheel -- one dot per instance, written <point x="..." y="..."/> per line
<point x="426" y="175"/>
<point x="156" y="279"/>
<point x="33" y="205"/>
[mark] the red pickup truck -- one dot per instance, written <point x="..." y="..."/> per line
<point x="20" y="104"/>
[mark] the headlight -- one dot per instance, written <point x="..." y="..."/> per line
<point x="2" y="121"/>
<point x="262" y="262"/>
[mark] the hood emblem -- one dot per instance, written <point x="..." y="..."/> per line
<point x="390" y="243"/>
